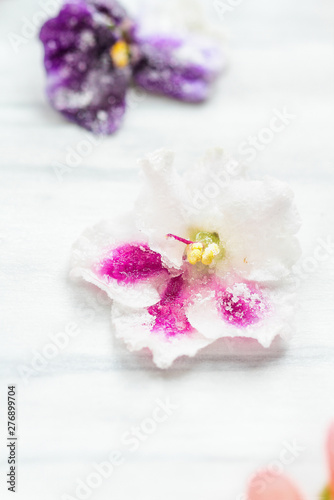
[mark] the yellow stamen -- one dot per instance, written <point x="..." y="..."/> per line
<point x="119" y="54"/>
<point x="194" y="253"/>
<point x="209" y="254"/>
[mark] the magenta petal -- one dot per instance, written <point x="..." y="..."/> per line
<point x="82" y="82"/>
<point x="177" y="67"/>
<point x="169" y="313"/>
<point x="240" y="305"/>
<point x="131" y="263"/>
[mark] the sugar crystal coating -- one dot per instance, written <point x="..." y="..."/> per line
<point x="240" y="305"/>
<point x="169" y="313"/>
<point x="130" y="263"/>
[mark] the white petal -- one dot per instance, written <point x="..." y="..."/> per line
<point x="256" y="219"/>
<point x="159" y="207"/>
<point x="134" y="327"/>
<point x="259" y="223"/>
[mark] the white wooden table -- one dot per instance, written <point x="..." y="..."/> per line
<point x="235" y="410"/>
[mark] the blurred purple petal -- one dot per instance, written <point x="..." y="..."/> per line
<point x="178" y="67"/>
<point x="83" y="83"/>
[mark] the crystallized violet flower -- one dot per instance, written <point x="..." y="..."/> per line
<point x="203" y="255"/>
<point x="94" y="50"/>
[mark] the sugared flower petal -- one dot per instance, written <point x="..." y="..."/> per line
<point x="244" y="310"/>
<point x="178" y="67"/>
<point x="115" y="257"/>
<point x="130" y="263"/>
<point x="169" y="313"/>
<point x="268" y="486"/>
<point x="240" y="305"/>
<point x="137" y="328"/>
<point x="159" y="206"/>
<point x="83" y="83"/>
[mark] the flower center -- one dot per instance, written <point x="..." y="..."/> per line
<point x="120" y="54"/>
<point x="205" y="247"/>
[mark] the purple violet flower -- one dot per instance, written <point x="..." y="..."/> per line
<point x="94" y="51"/>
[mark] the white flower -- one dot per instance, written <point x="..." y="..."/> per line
<point x="205" y="254"/>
